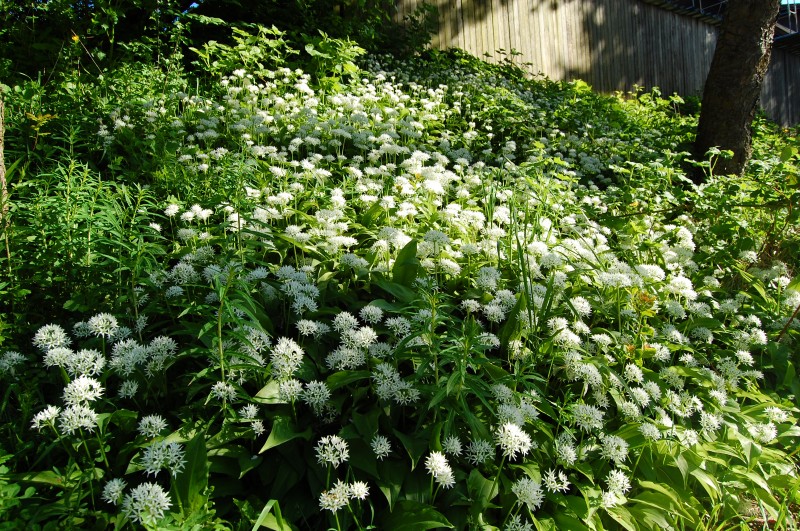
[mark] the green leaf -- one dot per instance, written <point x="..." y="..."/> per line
<point x="481" y="491"/>
<point x="651" y="516"/>
<point x="367" y="424"/>
<point x="271" y="518"/>
<point x="390" y="480"/>
<point x="406" y="266"/>
<point x="401" y="293"/>
<point x="283" y="430"/>
<point x="788" y="152"/>
<point x="623" y="517"/>
<point x="269" y="394"/>
<point x="47" y="477"/>
<point x="191" y="483"/>
<point x="343" y="378"/>
<point x="409" y="515"/>
<point x="663" y="496"/>
<point x="415" y="445"/>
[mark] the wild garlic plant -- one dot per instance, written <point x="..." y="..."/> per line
<point x="390" y="305"/>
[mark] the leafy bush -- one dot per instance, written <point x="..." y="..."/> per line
<point x="436" y="294"/>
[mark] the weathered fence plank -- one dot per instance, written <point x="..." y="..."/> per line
<point x="611" y="44"/>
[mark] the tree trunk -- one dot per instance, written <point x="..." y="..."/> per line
<point x="733" y="85"/>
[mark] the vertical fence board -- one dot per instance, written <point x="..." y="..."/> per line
<point x="612" y="44"/>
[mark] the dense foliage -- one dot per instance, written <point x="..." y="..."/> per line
<point x="332" y="290"/>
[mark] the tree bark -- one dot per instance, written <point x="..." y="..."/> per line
<point x="733" y="85"/>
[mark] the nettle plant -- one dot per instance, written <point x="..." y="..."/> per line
<point x="375" y="312"/>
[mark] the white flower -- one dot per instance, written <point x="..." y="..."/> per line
<point x="77" y="417"/>
<point x="344" y="321"/>
<point x="452" y="445"/>
<point x="163" y="454"/>
<point x="316" y="394"/>
<point x="45" y="417"/>
<point x="512" y="440"/>
<point x="113" y="490"/>
<point x="614" y="448"/>
<point x="478" y="451"/>
<point x="517" y="524"/>
<point x="249" y="412"/>
<point x="49" y="337"/>
<point x="82" y="390"/>
<point x="128" y="389"/>
<point x="224" y="391"/>
<point x="381" y="446"/>
<point x="587" y="417"/>
<point x="332" y="450"/>
<point x="335" y="498"/>
<point x="633" y="373"/>
<point x="103" y="325"/>
<point x="650" y="431"/>
<point x="286" y="357"/>
<point x="290" y="390"/>
<point x="763" y="433"/>
<point x="710" y="422"/>
<point x="776" y="414"/>
<point x="371" y="314"/>
<point x="9" y="361"/>
<point x="618" y="482"/>
<point x="528" y="492"/>
<point x="437" y="466"/>
<point x="151" y="426"/>
<point x="359" y="490"/>
<point x="146" y="504"/>
<point x="555" y="481"/>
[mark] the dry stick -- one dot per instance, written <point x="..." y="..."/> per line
<point x="4" y="219"/>
<point x="789" y="322"/>
<point x="3" y="187"/>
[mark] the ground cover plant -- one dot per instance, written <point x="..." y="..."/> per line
<point x="391" y="293"/>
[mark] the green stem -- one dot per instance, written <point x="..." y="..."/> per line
<point x="497" y="477"/>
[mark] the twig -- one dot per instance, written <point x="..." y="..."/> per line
<point x="3" y="185"/>
<point x="789" y="322"/>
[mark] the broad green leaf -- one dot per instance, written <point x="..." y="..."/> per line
<point x="623" y="517"/>
<point x="416" y="445"/>
<point x="406" y="266"/>
<point x="343" y="378"/>
<point x="401" y="293"/>
<point x="565" y="521"/>
<point x="666" y="495"/>
<point x="284" y="430"/>
<point x="409" y="515"/>
<point x="655" y="517"/>
<point x="708" y="482"/>
<point x="47" y="477"/>
<point x="788" y="152"/>
<point x="271" y="518"/>
<point x="269" y="394"/>
<point x="390" y="482"/>
<point x="481" y="491"/>
<point x="191" y="483"/>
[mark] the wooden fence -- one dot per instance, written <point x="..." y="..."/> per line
<point x="611" y="44"/>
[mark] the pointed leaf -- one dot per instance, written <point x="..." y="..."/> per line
<point x="409" y="515"/>
<point x="284" y="430"/>
<point x="406" y="266"/>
